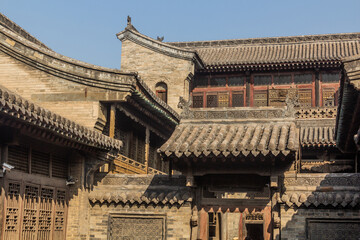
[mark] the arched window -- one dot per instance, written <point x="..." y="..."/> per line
<point x="161" y="91"/>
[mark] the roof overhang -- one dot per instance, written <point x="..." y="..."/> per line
<point x="348" y="117"/>
<point x="242" y="136"/>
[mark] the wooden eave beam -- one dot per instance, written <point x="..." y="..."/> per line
<point x="43" y="134"/>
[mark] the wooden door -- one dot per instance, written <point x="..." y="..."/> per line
<point x="34" y="212"/>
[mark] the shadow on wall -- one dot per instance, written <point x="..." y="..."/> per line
<point x="320" y="206"/>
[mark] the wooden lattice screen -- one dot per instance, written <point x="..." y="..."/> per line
<point x="212" y="100"/>
<point x="328" y="97"/>
<point x="223" y="99"/>
<point x="198" y="101"/>
<point x="260" y="98"/>
<point x="34" y="212"/>
<point x="237" y="99"/>
<point x="305" y="97"/>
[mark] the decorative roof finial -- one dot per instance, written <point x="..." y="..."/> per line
<point x="128" y="20"/>
<point x="185" y="106"/>
<point x="160" y="38"/>
<point x="292" y="101"/>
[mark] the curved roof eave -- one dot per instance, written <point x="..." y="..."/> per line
<point x="74" y="70"/>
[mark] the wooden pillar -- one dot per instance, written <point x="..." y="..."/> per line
<point x="112" y="121"/>
<point x="248" y="85"/>
<point x="106" y="167"/>
<point x="317" y="88"/>
<point x="147" y="148"/>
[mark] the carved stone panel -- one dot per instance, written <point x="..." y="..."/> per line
<point x="137" y="227"/>
<point x="320" y="229"/>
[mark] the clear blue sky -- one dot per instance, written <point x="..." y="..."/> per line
<point x="85" y="30"/>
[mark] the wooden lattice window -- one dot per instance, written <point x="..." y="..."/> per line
<point x="217" y="81"/>
<point x="201" y="82"/>
<point x="198" y="101"/>
<point x="18" y="156"/>
<point x="211" y="100"/>
<point x="30" y="210"/>
<point x="303" y="78"/>
<point x="330" y="77"/>
<point x="328" y="97"/>
<point x="59" y="166"/>
<point x="282" y="79"/>
<point x="12" y="211"/>
<point x="223" y="99"/>
<point x="33" y="212"/>
<point x="305" y="97"/>
<point x="237" y="99"/>
<point x="45" y="212"/>
<point x="60" y="215"/>
<point x="236" y="81"/>
<point x="40" y="162"/>
<point x="277" y="97"/>
<point x="141" y="150"/>
<point x="260" y="98"/>
<point x="264" y="80"/>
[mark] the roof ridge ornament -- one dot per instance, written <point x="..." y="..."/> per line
<point x="129" y="25"/>
<point x="185" y="106"/>
<point x="160" y="38"/>
<point x="291" y="101"/>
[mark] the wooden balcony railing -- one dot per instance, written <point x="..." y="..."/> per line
<point x="127" y="165"/>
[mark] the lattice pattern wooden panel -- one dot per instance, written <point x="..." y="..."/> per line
<point x="30" y="208"/>
<point x="237" y="99"/>
<point x="45" y="213"/>
<point x="328" y="97"/>
<point x="277" y="97"/>
<point x="140" y="157"/>
<point x="260" y="98"/>
<point x="212" y="100"/>
<point x="12" y="212"/>
<point x="223" y="100"/>
<point x="60" y="215"/>
<point x="305" y="97"/>
<point x="134" y="228"/>
<point x="32" y="213"/>
<point x="198" y="101"/>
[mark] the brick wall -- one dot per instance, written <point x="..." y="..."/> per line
<point x="293" y="220"/>
<point x="50" y="92"/>
<point x="78" y="206"/>
<point x="177" y="215"/>
<point x="154" y="67"/>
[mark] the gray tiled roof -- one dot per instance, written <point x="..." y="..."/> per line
<point x="19" y="109"/>
<point x="204" y="138"/>
<point x="317" y="136"/>
<point x="312" y="48"/>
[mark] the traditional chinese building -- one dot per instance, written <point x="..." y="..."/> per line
<point x="256" y="140"/>
<point x="62" y="122"/>
<point x="251" y="141"/>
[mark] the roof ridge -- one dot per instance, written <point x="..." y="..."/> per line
<point x="269" y="40"/>
<point x="9" y="24"/>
